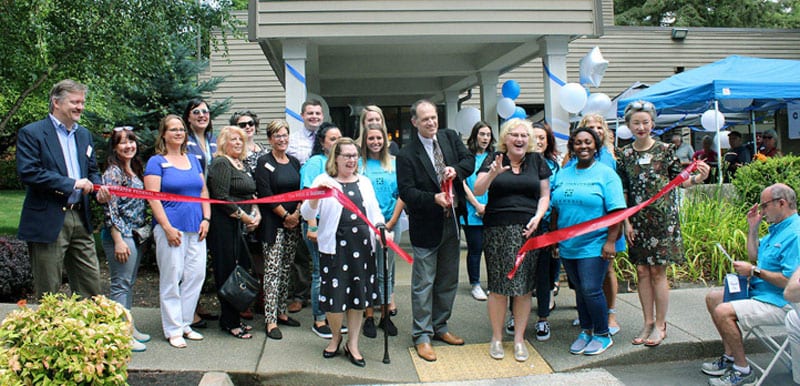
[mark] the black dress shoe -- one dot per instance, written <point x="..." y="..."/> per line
<point x="275" y="333"/>
<point x="358" y="362"/>
<point x="288" y="322"/>
<point x="199" y="324"/>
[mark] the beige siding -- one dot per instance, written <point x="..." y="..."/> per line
<point x="608" y="12"/>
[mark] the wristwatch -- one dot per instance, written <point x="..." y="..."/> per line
<point x="756" y="271"/>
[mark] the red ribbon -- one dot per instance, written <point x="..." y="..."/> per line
<point x="553" y="237"/>
<point x="299" y="195"/>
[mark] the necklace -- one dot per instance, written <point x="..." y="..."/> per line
<point x="236" y="163"/>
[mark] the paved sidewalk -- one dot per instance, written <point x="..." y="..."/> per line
<point x="297" y="358"/>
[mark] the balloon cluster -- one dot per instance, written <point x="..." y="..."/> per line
<point x="506" y="107"/>
<point x="575" y="98"/>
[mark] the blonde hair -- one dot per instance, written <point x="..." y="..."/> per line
<point x="330" y="167"/>
<point x="383" y="155"/>
<point x="608" y="141"/>
<point x="161" y="147"/>
<point x="225" y="136"/>
<point x="512" y="124"/>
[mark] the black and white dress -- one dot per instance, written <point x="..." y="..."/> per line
<point x="348" y="277"/>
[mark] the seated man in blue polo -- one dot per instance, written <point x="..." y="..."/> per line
<point x="778" y="256"/>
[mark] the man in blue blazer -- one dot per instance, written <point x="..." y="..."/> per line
<point x="433" y="225"/>
<point x="56" y="162"/>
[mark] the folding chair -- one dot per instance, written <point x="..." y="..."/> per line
<point x="774" y="345"/>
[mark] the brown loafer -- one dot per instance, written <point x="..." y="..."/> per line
<point x="425" y="351"/>
<point x="295" y="307"/>
<point x="449" y="338"/>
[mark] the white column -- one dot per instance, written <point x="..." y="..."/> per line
<point x="488" y="82"/>
<point x="451" y="108"/>
<point x="555" y="60"/>
<point x="294" y="57"/>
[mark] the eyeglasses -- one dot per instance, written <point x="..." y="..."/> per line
<point x="349" y="156"/>
<point x="763" y="205"/>
<point x="120" y="128"/>
<point x="200" y="112"/>
<point x="280" y="136"/>
<point x="176" y="130"/>
<point x="243" y="125"/>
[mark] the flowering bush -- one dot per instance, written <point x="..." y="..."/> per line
<point x="66" y="341"/>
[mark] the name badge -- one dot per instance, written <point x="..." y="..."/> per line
<point x="165" y="165"/>
<point x="89" y="151"/>
<point x="732" y="281"/>
<point x="269" y="167"/>
<point x="645" y="159"/>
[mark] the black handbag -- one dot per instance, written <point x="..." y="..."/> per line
<point x="240" y="288"/>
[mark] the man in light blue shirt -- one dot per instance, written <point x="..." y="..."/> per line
<point x="778" y="256"/>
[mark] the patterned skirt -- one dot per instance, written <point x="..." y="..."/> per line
<point x="500" y="246"/>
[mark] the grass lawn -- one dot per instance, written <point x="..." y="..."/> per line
<point x="10" y="209"/>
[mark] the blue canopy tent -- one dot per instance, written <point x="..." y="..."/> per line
<point x="735" y="84"/>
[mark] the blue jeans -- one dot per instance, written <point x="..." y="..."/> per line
<point x="587" y="275"/>
<point x="384" y="299"/>
<point x="123" y="275"/>
<point x="315" y="278"/>
<point x="474" y="236"/>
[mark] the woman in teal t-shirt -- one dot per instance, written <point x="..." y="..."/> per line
<point x="480" y="143"/>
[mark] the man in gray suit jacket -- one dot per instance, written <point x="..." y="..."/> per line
<point x="433" y="227"/>
<point x="56" y="162"/>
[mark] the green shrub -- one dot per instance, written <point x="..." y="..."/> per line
<point x="9" y="179"/>
<point x="66" y="341"/>
<point x="751" y="179"/>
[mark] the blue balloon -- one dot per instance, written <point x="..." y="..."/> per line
<point x="511" y="89"/>
<point x="520" y="113"/>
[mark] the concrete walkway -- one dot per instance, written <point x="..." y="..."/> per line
<point x="297" y="358"/>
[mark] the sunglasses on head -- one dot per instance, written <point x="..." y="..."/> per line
<point x="243" y="125"/>
<point x="120" y="128"/>
<point x="200" y="111"/>
<point x="641" y="105"/>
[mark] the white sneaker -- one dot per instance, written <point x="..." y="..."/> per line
<point x="140" y="336"/>
<point x="137" y="346"/>
<point x="477" y="293"/>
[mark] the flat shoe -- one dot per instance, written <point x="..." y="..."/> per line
<point x="643" y="334"/>
<point x="288" y="322"/>
<point x="140" y="336"/>
<point x="496" y="350"/>
<point x="520" y="352"/>
<point x="193" y="335"/>
<point x="275" y="333"/>
<point x="177" y="342"/>
<point x="656" y="337"/>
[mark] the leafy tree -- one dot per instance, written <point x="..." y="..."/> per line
<point x="709" y="13"/>
<point x="102" y="43"/>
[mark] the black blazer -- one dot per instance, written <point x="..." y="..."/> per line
<point x="266" y="184"/>
<point x="418" y="184"/>
<point x="41" y="167"/>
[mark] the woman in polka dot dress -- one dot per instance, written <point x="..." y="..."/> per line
<point x="346" y="245"/>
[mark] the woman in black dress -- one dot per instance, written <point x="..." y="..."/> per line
<point x="346" y="246"/>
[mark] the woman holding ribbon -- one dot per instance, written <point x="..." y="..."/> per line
<point x="519" y="195"/>
<point x="180" y="230"/>
<point x="277" y="173"/>
<point x="654" y="238"/>
<point x="122" y="217"/>
<point x="584" y="191"/>
<point x="228" y="180"/>
<point x="346" y="247"/>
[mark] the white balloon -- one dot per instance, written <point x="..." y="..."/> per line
<point x="560" y="126"/>
<point x="466" y="118"/>
<point x="572" y="97"/>
<point x="725" y="142"/>
<point x="593" y="67"/>
<point x="736" y="104"/>
<point x="623" y="132"/>
<point x="712" y="120"/>
<point x="506" y="107"/>
<point x="597" y="103"/>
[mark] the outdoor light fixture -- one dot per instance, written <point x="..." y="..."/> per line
<point x="679" y="33"/>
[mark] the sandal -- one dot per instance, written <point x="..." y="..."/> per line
<point x="177" y="341"/>
<point x="240" y="333"/>
<point x="246" y="327"/>
<point x="662" y="334"/>
<point x="644" y="334"/>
